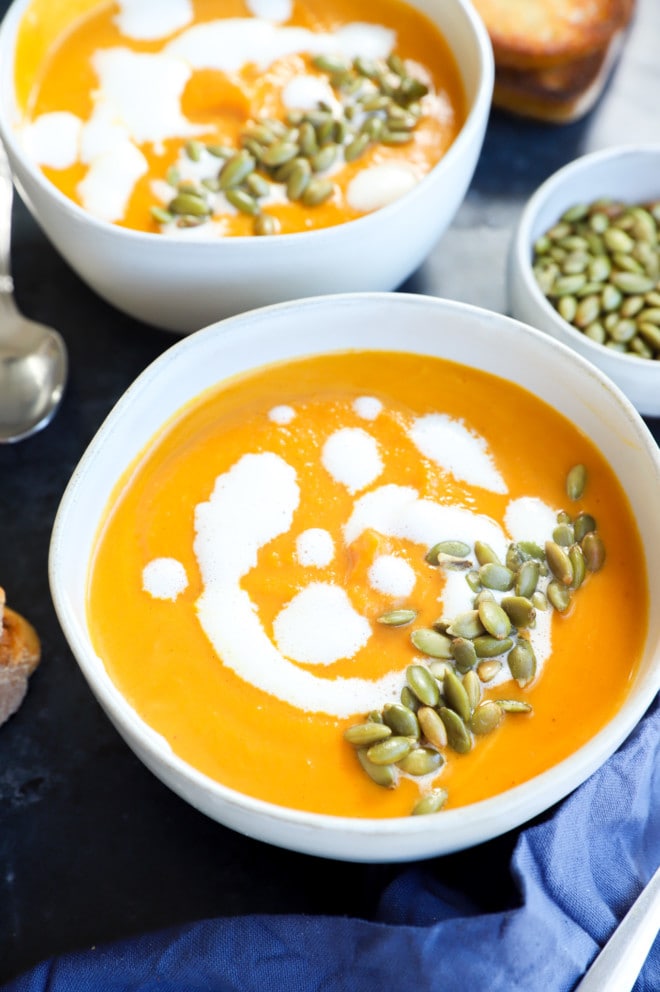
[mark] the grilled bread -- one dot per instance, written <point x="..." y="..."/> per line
<point x="20" y="653"/>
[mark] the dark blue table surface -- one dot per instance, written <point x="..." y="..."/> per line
<point x="92" y="846"/>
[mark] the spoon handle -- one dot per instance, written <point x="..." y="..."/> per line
<point x="6" y="197"/>
<point x="619" y="963"/>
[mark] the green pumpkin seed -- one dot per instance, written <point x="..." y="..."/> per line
<point x="495" y="576"/>
<point x="397" y="618"/>
<point x="495" y="620"/>
<point x="593" y="550"/>
<point x="514" y="706"/>
<point x="459" y="738"/>
<point x="365" y="734"/>
<point x="383" y="775"/>
<point x="161" y="216"/>
<point x="455" y="549"/>
<point x="401" y="720"/>
<point x="236" y="169"/>
<point x="466" y="625"/>
<point x="257" y="185"/>
<point x="190" y="205"/>
<point x="432" y="802"/>
<point x="530" y="549"/>
<point x="485" y="554"/>
<point x="432" y="643"/>
<point x="330" y="63"/>
<point x="464" y="653"/>
<point x="486" y="718"/>
<point x="432" y="726"/>
<point x="527" y="579"/>
<point x="456" y="695"/>
<point x="576" y="555"/>
<point x="265" y="224"/>
<point x="520" y="610"/>
<point x="490" y="647"/>
<point x="559" y="596"/>
<point x="559" y="562"/>
<point x="421" y="761"/>
<point x="423" y="684"/>
<point x="487" y="670"/>
<point x="242" y="201"/>
<point x="522" y="662"/>
<point x="409" y="699"/>
<point x="472" y="685"/>
<point x="583" y="524"/>
<point x="280" y="152"/>
<point x="389" y="751"/>
<point x="563" y="535"/>
<point x="324" y="158"/>
<point x="318" y="191"/>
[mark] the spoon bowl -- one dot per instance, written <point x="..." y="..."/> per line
<point x="33" y="357"/>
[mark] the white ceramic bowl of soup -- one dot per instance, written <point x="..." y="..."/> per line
<point x="184" y="285"/>
<point x="629" y="174"/>
<point x="425" y="326"/>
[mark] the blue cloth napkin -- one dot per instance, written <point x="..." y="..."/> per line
<point x="578" y="871"/>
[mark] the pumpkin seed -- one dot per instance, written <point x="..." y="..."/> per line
<point x="279" y="152"/>
<point x="559" y="596"/>
<point x="189" y="204"/>
<point x="495" y="620"/>
<point x="463" y="653"/>
<point x="466" y="625"/>
<point x="456" y="695"/>
<point x="383" y="775"/>
<point x="423" y="684"/>
<point x="522" y="662"/>
<point x="242" y="201"/>
<point x="318" y="191"/>
<point x="365" y="734"/>
<point x="160" y="215"/>
<point x="397" y="618"/>
<point x="563" y="535"/>
<point x="514" y="706"/>
<point x="409" y="699"/>
<point x="236" y="169"/>
<point x="265" y="224"/>
<point x="401" y="720"/>
<point x="455" y="549"/>
<point x="559" y="562"/>
<point x="495" y="576"/>
<point x="389" y="751"/>
<point x="421" y="761"/>
<point x="432" y="726"/>
<point x="486" y="717"/>
<point x="579" y="564"/>
<point x="432" y="643"/>
<point x="472" y="685"/>
<point x="432" y="802"/>
<point x="527" y="579"/>
<point x="520" y="610"/>
<point x="485" y="554"/>
<point x="593" y="550"/>
<point x="487" y="670"/>
<point x="459" y="738"/>
<point x="490" y="647"/>
<point x="583" y="524"/>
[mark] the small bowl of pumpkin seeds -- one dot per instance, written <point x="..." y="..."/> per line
<point x="584" y="265"/>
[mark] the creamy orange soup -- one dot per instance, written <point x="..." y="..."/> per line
<point x="139" y="114"/>
<point x="247" y="560"/>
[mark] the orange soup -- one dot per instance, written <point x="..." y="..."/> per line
<point x="316" y="546"/>
<point x="234" y="117"/>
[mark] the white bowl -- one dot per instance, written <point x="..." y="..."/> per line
<point x="184" y="286"/>
<point x="455" y="331"/>
<point x="629" y="173"/>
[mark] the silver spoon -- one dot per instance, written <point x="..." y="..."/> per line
<point x="619" y="963"/>
<point x="33" y="358"/>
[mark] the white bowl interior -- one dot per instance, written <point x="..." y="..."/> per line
<point x="454" y="331"/>
<point x="184" y="287"/>
<point x="631" y="173"/>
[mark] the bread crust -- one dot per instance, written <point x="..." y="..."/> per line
<point x="541" y="34"/>
<point x="20" y="653"/>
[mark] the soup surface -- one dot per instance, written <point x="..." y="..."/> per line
<point x="242" y="590"/>
<point x="202" y="118"/>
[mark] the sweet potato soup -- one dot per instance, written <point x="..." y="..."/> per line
<point x="356" y="582"/>
<point x="208" y="118"/>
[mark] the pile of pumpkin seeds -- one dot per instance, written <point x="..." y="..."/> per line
<point x="442" y="707"/>
<point x="599" y="266"/>
<point x="377" y="101"/>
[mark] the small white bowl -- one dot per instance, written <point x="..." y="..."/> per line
<point x="184" y="285"/>
<point x="390" y="321"/>
<point x="629" y="173"/>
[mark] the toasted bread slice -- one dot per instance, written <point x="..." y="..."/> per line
<point x="20" y="653"/>
<point x="540" y="34"/>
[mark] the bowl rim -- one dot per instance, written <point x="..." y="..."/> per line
<point x="483" y="819"/>
<point x="477" y="114"/>
<point x="522" y="245"/>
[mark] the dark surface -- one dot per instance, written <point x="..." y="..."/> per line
<point x="92" y="846"/>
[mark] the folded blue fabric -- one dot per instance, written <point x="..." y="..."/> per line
<point x="578" y="872"/>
